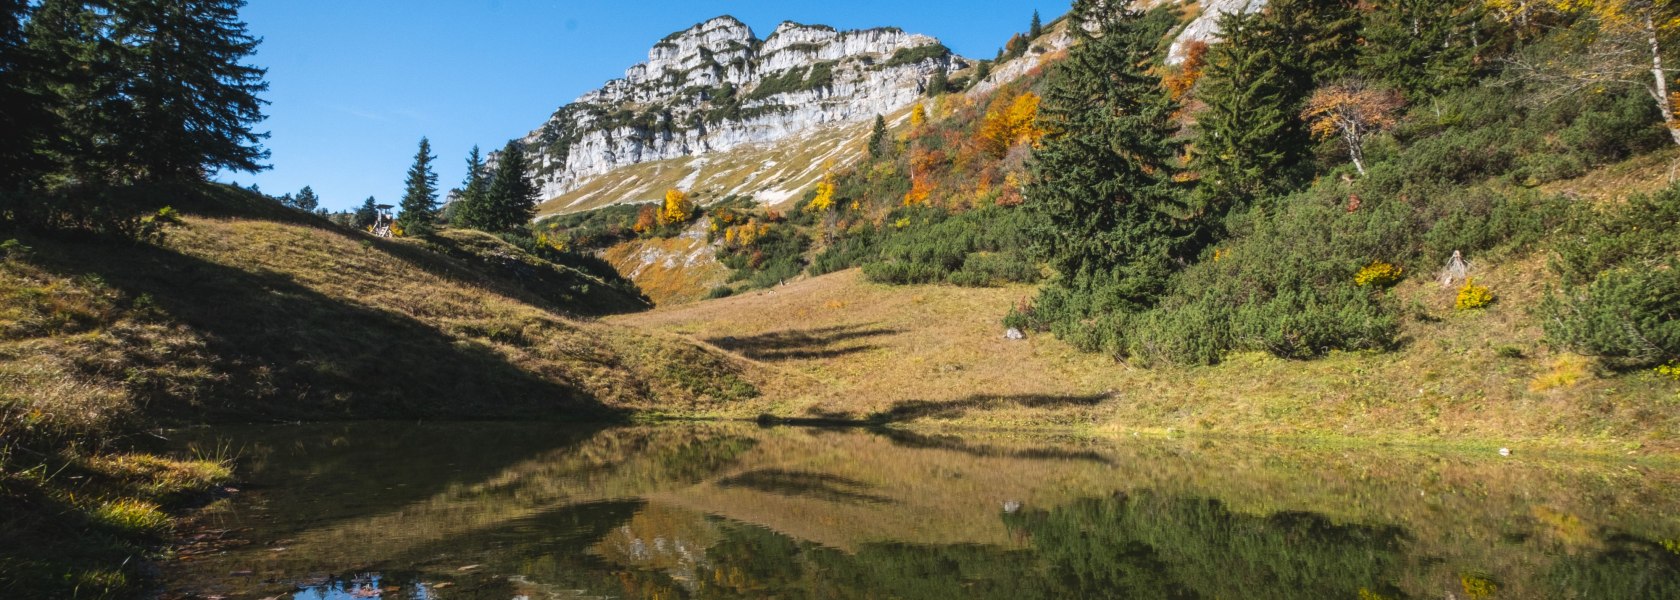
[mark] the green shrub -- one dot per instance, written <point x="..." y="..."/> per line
<point x="1621" y="285"/>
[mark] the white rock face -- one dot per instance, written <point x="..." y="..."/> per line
<point x="716" y="86"/>
<point x="1206" y="26"/>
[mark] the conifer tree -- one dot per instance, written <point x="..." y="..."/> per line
<point x="1249" y="142"/>
<point x="22" y="116"/>
<point x="878" y="139"/>
<point x="1422" y="47"/>
<point x="1037" y="28"/>
<point x="367" y="214"/>
<point x="981" y="72"/>
<point x="418" y="209"/>
<point x="938" y="83"/>
<point x="193" y="102"/>
<point x="471" y="204"/>
<point x="306" y="200"/>
<point x="510" y="200"/>
<point x="1102" y="187"/>
<point x="1316" y="41"/>
<point x="81" y="85"/>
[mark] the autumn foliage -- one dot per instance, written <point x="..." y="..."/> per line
<point x="678" y="209"/>
<point x="1354" y="111"/>
<point x="1016" y="123"/>
<point x="1180" y="82"/>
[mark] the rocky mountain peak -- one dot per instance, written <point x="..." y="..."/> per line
<point x="717" y="86"/>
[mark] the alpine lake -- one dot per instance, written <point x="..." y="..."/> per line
<point x="735" y="510"/>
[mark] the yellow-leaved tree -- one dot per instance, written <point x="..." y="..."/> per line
<point x="1015" y="124"/>
<point x="1625" y="47"/>
<point x="678" y="208"/>
<point x="918" y="116"/>
<point x="824" y="199"/>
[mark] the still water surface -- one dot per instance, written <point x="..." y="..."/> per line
<point x="404" y="511"/>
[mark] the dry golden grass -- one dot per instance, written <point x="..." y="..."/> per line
<point x="670" y="271"/>
<point x="934" y="356"/>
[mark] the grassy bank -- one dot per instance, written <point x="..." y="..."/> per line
<point x="935" y="357"/>
<point x="247" y="311"/>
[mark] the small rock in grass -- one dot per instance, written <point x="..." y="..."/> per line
<point x="1014" y="334"/>
<point x="1504" y="451"/>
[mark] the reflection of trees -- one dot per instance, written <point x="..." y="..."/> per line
<point x="1629" y="568"/>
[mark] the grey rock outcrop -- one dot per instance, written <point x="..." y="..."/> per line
<point x="716" y="86"/>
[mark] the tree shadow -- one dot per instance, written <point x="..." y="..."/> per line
<point x="822" y="486"/>
<point x="269" y="347"/>
<point x="804" y="344"/>
<point x="925" y="409"/>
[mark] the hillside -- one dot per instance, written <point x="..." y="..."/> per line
<point x="247" y="311"/>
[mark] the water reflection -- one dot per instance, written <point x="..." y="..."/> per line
<point x="735" y="511"/>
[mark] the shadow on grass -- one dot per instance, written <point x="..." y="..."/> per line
<point x="276" y="349"/>
<point x="804" y="344"/>
<point x="925" y="409"/>
<point x="822" y="486"/>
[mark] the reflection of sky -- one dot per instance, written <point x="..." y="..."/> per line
<point x="360" y="587"/>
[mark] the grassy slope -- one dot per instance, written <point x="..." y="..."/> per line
<point x="252" y="312"/>
<point x="934" y="356"/>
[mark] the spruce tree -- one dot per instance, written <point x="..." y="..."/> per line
<point x="878" y="139"/>
<point x="306" y="200"/>
<point x="472" y="205"/>
<point x="1102" y="192"/>
<point x="83" y="74"/>
<point x="1316" y="41"/>
<point x="367" y="214"/>
<point x="981" y="72"/>
<point x="1422" y="47"/>
<point x="418" y="209"/>
<point x="193" y="101"/>
<point x="511" y="199"/>
<point x="1249" y="141"/>
<point x="23" y="117"/>
<point x="938" y="83"/>
<point x="1037" y="27"/>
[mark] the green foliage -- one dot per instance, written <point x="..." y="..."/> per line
<point x="1423" y="47"/>
<point x="1249" y="143"/>
<point x="1105" y="206"/>
<point x="590" y="230"/>
<point x="878" y="139"/>
<point x="508" y="200"/>
<point x="797" y="79"/>
<point x="917" y="55"/>
<point x="418" y="210"/>
<point x="938" y="83"/>
<point x="1621" y="285"/>
<point x="305" y="200"/>
<point x="977" y="248"/>
<point x="772" y="258"/>
<point x="366" y="214"/>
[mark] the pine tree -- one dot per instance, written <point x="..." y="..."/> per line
<point x="938" y="83"/>
<point x="1316" y="41"/>
<point x="23" y="117"/>
<point x="981" y="72"/>
<point x="367" y="214"/>
<point x="1249" y="142"/>
<point x="81" y="83"/>
<point x="1422" y="47"/>
<point x="418" y="209"/>
<point x="1102" y="188"/>
<point x="193" y="102"/>
<point x="1037" y="28"/>
<point x="473" y="204"/>
<point x="510" y="200"/>
<point x="878" y="139"/>
<point x="306" y="200"/>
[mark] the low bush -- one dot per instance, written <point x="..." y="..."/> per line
<point x="1620" y="271"/>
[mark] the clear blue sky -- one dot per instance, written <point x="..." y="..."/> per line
<point x="354" y="84"/>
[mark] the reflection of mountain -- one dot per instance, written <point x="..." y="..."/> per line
<point x="736" y="511"/>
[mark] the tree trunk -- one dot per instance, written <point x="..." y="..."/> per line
<point x="1660" y="78"/>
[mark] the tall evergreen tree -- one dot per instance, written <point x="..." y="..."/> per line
<point x="81" y="83"/>
<point x="306" y="200"/>
<point x="981" y="72"/>
<point x="1102" y="189"/>
<point x="878" y="139"/>
<point x="938" y="83"/>
<point x="1249" y="141"/>
<point x="473" y="203"/>
<point x="1037" y="28"/>
<point x="1422" y="47"/>
<point x="511" y="199"/>
<point x="193" y="101"/>
<point x="1316" y="41"/>
<point x="23" y="117"/>
<point x="418" y="209"/>
<point x="367" y="214"/>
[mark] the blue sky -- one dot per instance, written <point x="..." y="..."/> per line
<point x="354" y="84"/>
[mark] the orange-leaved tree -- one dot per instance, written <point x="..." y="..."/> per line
<point x="1354" y="111"/>
<point x="1181" y="81"/>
